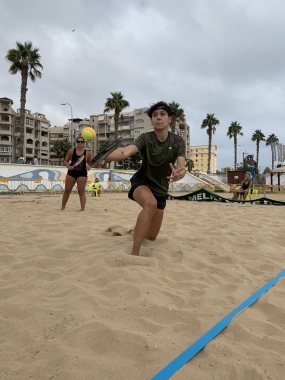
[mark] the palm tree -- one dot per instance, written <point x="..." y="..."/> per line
<point x="233" y="131"/>
<point x="272" y="139"/>
<point x="257" y="136"/>
<point x="61" y="147"/>
<point x="210" y="122"/>
<point x="178" y="114"/>
<point x="190" y="165"/>
<point x="26" y="59"/>
<point x="116" y="103"/>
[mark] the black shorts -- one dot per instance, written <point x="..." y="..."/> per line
<point x="76" y="174"/>
<point x="161" y="201"/>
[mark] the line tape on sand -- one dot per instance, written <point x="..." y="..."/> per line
<point x="188" y="354"/>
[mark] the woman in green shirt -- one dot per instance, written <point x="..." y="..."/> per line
<point x="160" y="149"/>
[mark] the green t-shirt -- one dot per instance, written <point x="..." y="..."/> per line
<point x="156" y="159"/>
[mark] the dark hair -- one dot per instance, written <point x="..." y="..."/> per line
<point x="160" y="105"/>
<point x="79" y="137"/>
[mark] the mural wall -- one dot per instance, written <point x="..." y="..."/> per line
<point x="15" y="178"/>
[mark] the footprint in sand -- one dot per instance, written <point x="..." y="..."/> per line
<point x="119" y="231"/>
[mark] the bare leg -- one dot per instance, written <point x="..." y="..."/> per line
<point x="144" y="197"/>
<point x="69" y="183"/>
<point x="81" y="183"/>
<point x="155" y="225"/>
<point x="245" y="194"/>
<point x="235" y="194"/>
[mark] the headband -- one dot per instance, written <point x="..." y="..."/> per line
<point x="162" y="107"/>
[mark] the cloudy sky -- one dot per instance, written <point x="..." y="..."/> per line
<point x="211" y="56"/>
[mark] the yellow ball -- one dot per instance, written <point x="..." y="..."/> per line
<point x="88" y="134"/>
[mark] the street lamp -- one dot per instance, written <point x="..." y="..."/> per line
<point x="243" y="153"/>
<point x="72" y="129"/>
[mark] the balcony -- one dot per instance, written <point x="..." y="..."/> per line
<point x="5" y="132"/>
<point x="29" y="136"/>
<point x="5" y="142"/>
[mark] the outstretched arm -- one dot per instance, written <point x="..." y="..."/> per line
<point x="122" y="153"/>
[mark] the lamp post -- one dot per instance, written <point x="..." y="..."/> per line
<point x="72" y="128"/>
<point x="243" y="153"/>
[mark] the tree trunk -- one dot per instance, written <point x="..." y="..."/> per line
<point x="116" y="120"/>
<point x="24" y="90"/>
<point x="272" y="161"/>
<point x="209" y="149"/>
<point x="257" y="153"/>
<point x="235" y="148"/>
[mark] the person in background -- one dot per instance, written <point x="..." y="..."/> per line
<point x="97" y="185"/>
<point x="35" y="161"/>
<point x="76" y="174"/>
<point x="21" y="160"/>
<point x="244" y="187"/>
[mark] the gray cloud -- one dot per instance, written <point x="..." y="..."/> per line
<point x="210" y="56"/>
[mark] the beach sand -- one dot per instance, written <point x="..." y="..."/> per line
<point x="75" y="305"/>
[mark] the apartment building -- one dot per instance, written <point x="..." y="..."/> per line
<point x="131" y="125"/>
<point x="36" y="134"/>
<point x="199" y="155"/>
<point x="7" y="122"/>
<point x="55" y="133"/>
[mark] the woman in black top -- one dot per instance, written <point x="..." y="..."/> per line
<point x="76" y="174"/>
<point x="244" y="187"/>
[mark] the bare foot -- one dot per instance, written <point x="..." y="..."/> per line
<point x="63" y="208"/>
<point x="83" y="209"/>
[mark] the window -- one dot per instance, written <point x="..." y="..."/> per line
<point x="5" y="148"/>
<point x="138" y="130"/>
<point x="44" y="125"/>
<point x="139" y="121"/>
<point x="30" y="142"/>
<point x="29" y="151"/>
<point x="4" y="159"/>
<point x="29" y="121"/>
<point x="44" y="162"/>
<point x="4" y="127"/>
<point x="66" y="131"/>
<point x="4" y="138"/>
<point x="45" y="144"/>
<point x="4" y="118"/>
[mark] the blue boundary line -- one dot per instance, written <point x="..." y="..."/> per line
<point x="191" y="351"/>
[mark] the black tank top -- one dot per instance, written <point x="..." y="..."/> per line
<point x="82" y="166"/>
<point x="245" y="185"/>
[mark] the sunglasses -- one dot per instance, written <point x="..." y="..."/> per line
<point x="80" y="142"/>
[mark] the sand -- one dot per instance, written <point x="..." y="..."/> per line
<point x="75" y="305"/>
